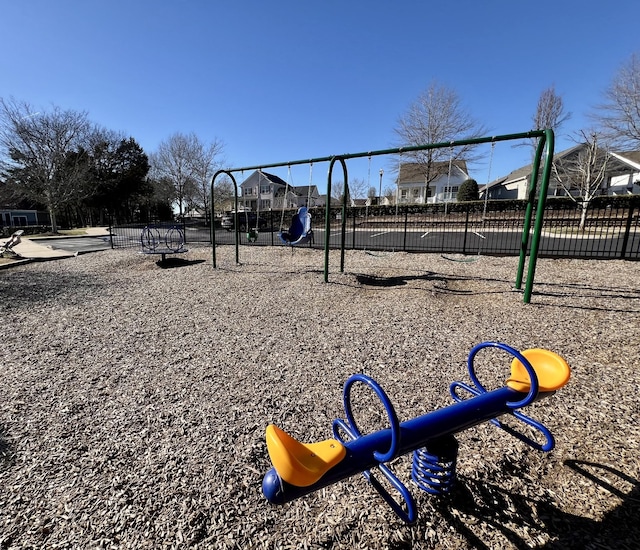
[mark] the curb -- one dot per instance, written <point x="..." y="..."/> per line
<point x="16" y="263"/>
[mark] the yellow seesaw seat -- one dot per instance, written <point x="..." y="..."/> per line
<point x="552" y="371"/>
<point x="301" y="464"/>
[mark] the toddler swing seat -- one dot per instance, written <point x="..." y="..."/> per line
<point x="300" y="231"/>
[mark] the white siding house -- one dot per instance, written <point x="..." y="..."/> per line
<point x="413" y="187"/>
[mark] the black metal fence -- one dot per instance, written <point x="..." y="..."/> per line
<point x="610" y="229"/>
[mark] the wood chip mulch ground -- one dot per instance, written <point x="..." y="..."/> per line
<point x="134" y="399"/>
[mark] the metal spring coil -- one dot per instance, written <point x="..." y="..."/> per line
<point x="434" y="466"/>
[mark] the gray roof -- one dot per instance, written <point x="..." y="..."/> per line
<point x="305" y="190"/>
<point x="633" y="156"/>
<point x="413" y="171"/>
<point x="525" y="171"/>
<point x="273" y="178"/>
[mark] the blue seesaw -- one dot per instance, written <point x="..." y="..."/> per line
<point x="301" y="468"/>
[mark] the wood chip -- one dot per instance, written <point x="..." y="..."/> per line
<point x="133" y="399"/>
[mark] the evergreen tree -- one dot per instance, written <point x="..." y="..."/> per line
<point x="468" y="191"/>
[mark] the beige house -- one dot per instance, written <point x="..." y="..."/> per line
<point x="622" y="177"/>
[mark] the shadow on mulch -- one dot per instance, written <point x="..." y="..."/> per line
<point x="170" y="263"/>
<point x="26" y="288"/>
<point x="498" y="507"/>
<point x="400" y="280"/>
<point x="440" y="282"/>
<point x="573" y="292"/>
<point x="7" y="453"/>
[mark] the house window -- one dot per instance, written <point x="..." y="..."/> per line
<point x="451" y="191"/>
<point x="403" y="193"/>
<point x="265" y="204"/>
<point x="264" y="189"/>
<point x="416" y="193"/>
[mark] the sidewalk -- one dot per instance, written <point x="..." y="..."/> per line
<point x="88" y="232"/>
<point x="34" y="248"/>
<point x="96" y="231"/>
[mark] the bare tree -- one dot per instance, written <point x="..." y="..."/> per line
<point x="582" y="174"/>
<point x="204" y="166"/>
<point x="188" y="164"/>
<point x="177" y="161"/>
<point x="337" y="190"/>
<point x="224" y="192"/>
<point x="437" y="116"/>
<point x="44" y="154"/>
<point x="550" y="114"/>
<point x="389" y="193"/>
<point x="550" y="111"/>
<point x="357" y="188"/>
<point x="619" y="115"/>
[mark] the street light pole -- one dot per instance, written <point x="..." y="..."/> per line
<point x="380" y="193"/>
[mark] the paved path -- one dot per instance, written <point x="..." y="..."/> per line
<point x="75" y="245"/>
<point x="49" y="248"/>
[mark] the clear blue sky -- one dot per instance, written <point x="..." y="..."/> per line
<point x="286" y="80"/>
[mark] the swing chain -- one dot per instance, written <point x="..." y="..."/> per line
<point x="486" y="189"/>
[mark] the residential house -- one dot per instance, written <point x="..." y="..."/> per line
<point x="262" y="191"/>
<point x="622" y="176"/>
<point x="360" y="202"/>
<point x="11" y="217"/>
<point x="413" y="187"/>
<point x="195" y="213"/>
<point x="629" y="182"/>
<point x="307" y="195"/>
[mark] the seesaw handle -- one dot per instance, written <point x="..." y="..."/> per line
<point x="411" y="515"/>
<point x="351" y="428"/>
<point x="533" y="377"/>
<point x="547" y="446"/>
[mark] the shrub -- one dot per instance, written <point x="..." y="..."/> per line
<point x="468" y="191"/>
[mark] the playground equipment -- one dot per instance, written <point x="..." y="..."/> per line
<point x="11" y="241"/>
<point x="162" y="240"/>
<point x="300" y="231"/>
<point x="480" y="232"/>
<point x="299" y="468"/>
<point x="536" y="196"/>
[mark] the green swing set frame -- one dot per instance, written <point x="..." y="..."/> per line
<point x="536" y="196"/>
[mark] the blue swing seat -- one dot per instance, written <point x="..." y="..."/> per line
<point x="300" y="231"/>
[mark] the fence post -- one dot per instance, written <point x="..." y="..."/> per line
<point x="627" y="231"/>
<point x="404" y="237"/>
<point x="466" y="230"/>
<point x="110" y="229"/>
<point x="353" y="225"/>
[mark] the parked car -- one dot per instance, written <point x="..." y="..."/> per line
<point x="246" y="220"/>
